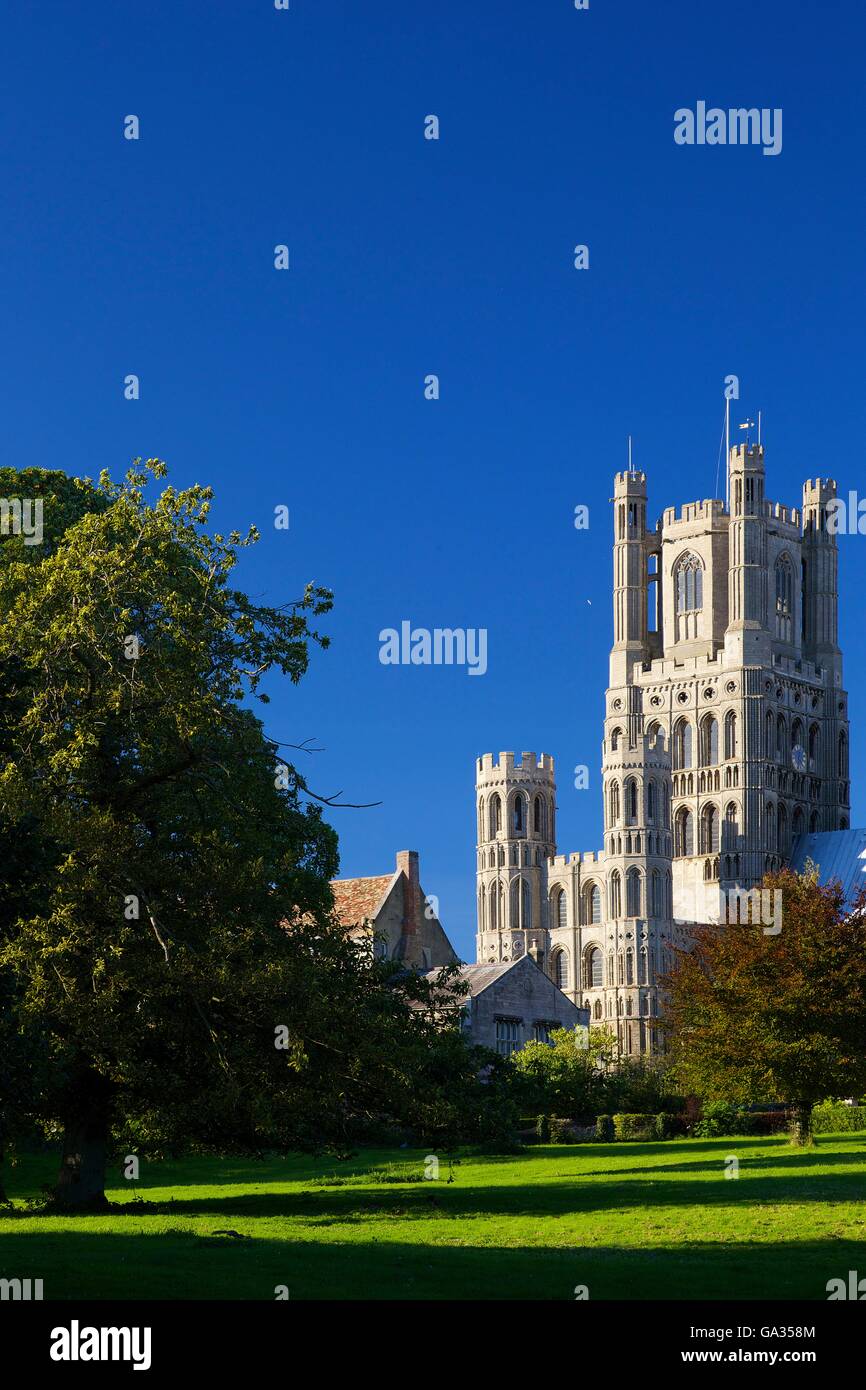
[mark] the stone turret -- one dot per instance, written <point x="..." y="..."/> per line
<point x="516" y="826"/>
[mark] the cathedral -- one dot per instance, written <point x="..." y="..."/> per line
<point x="725" y="748"/>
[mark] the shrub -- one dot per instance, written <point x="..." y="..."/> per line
<point x="561" y="1131"/>
<point x="719" y="1118"/>
<point x="664" y="1125"/>
<point x="636" y="1126"/>
<point x="542" y="1129"/>
<point x="604" y="1128"/>
<point x="831" y="1117"/>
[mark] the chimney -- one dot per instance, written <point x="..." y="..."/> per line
<point x="410" y="946"/>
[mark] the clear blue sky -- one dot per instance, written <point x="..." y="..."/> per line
<point x="411" y="257"/>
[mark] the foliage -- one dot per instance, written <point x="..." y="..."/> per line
<point x="171" y="973"/>
<point x="634" y="1126"/>
<point x="832" y="1117"/>
<point x="564" y="1076"/>
<point x="752" y="1016"/>
<point x="604" y="1128"/>
<point x="719" y="1119"/>
<point x="640" y="1085"/>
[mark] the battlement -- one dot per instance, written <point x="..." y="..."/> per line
<point x="819" y="490"/>
<point x="633" y="484"/>
<point x="529" y="766"/>
<point x="711" y="509"/>
<point x="560" y="862"/>
<point x="787" y="516"/>
<point x="749" y="456"/>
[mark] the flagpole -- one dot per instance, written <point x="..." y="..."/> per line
<point x="727" y="453"/>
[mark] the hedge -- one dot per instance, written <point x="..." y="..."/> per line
<point x="634" y="1126"/>
<point x="834" y="1118"/>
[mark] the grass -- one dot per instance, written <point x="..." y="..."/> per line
<point x="628" y="1220"/>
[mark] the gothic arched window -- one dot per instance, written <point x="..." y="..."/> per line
<point x="651" y="802"/>
<point x="632" y="893"/>
<point x="843" y="754"/>
<point x="518" y="814"/>
<point x="684" y="833"/>
<point x="688" y="595"/>
<point x="784" y="598"/>
<point x="682" y="744"/>
<point x="514" y="904"/>
<point x="526" y="894"/>
<point x="560" y="969"/>
<point x="730" y="734"/>
<point x="594" y="969"/>
<point x="592" y="903"/>
<point x="615" y="894"/>
<point x="731" y="825"/>
<point x="709" y="830"/>
<point x="495" y="815"/>
<point x="631" y="801"/>
<point x="559" y="915"/>
<point x="539" y="817"/>
<point x="655" y="894"/>
<point x="709" y="741"/>
<point x="613" y="798"/>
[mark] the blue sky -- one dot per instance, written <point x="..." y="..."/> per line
<point x="410" y="257"/>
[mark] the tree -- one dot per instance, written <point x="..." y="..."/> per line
<point x="753" y="1016"/>
<point x="566" y="1076"/>
<point x="171" y="970"/>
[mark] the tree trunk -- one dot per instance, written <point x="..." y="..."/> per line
<point x="801" y="1125"/>
<point x="81" y="1180"/>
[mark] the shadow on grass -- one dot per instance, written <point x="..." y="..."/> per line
<point x="176" y="1264"/>
<point x="464" y="1201"/>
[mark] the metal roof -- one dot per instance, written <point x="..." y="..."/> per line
<point x="839" y="854"/>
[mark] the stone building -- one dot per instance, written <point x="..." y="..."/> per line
<point x="514" y="1003"/>
<point x="725" y="743"/>
<point x="395" y="908"/>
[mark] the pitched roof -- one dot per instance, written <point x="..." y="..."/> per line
<point x="359" y="899"/>
<point x="837" y="854"/>
<point x="477" y="978"/>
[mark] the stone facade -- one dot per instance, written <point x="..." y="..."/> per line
<point x="508" y="1005"/>
<point x="725" y="740"/>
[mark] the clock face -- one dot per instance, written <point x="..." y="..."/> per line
<point x="798" y="757"/>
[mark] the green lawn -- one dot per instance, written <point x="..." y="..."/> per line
<point x="627" y="1220"/>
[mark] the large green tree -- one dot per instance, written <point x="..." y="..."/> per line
<point x="170" y="970"/>
<point x="756" y="1015"/>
